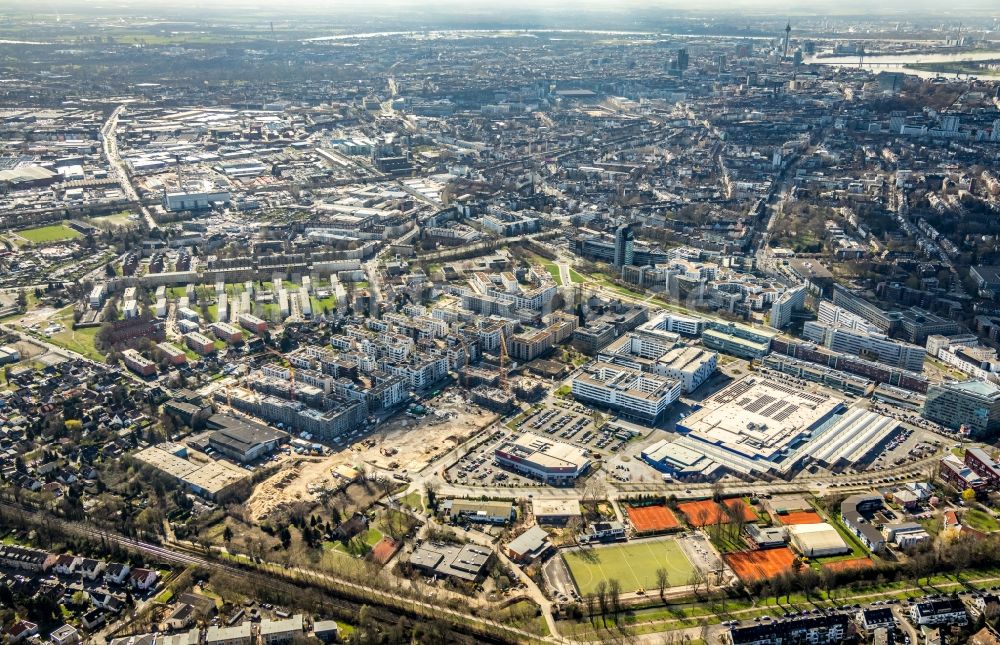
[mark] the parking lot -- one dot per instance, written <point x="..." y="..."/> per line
<point x="478" y="467"/>
<point x="566" y="421"/>
<point x="573" y="423"/>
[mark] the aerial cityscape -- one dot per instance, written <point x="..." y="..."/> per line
<point x="444" y="322"/>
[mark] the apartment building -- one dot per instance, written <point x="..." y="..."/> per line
<point x="628" y="391"/>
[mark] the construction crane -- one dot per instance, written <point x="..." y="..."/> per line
<point x="504" y="382"/>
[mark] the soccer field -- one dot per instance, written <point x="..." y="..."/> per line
<point x="45" y="234"/>
<point x="633" y="564"/>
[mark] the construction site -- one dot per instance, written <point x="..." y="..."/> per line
<point x="395" y="449"/>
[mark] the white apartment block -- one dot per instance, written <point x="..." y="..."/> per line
<point x="626" y="390"/>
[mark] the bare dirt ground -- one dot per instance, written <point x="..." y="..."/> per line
<point x="299" y="479"/>
<point x="403" y="444"/>
<point x="416" y="441"/>
<point x="38" y="316"/>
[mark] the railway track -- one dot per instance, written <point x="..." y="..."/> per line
<point x="266" y="575"/>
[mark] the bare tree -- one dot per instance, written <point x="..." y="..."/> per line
<point x="615" y="597"/>
<point x="717" y="492"/>
<point x="662" y="581"/>
<point x="602" y="600"/>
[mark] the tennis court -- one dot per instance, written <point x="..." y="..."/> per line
<point x="848" y="565"/>
<point x="706" y="512"/>
<point x="799" y="517"/>
<point x="649" y="519"/>
<point x="633" y="564"/>
<point x="760" y="565"/>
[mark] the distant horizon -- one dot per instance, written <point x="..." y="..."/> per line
<point x="923" y="9"/>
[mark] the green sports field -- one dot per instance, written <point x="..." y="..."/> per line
<point x="633" y="564"/>
<point x="45" y="234"/>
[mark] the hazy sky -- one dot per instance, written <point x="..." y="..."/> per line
<point x="949" y="11"/>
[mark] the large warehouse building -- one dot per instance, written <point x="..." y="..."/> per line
<point x="756" y="423"/>
<point x="817" y="540"/>
<point x="552" y="462"/>
<point x="761" y="425"/>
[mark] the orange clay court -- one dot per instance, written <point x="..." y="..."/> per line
<point x="799" y="517"/>
<point x="760" y="565"/>
<point x="849" y="565"/>
<point x="647" y="519"/>
<point x="706" y="512"/>
<point x="384" y="549"/>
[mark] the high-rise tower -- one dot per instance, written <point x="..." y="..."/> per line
<point x="624" y="241"/>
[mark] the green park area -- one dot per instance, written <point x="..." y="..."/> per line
<point x="47" y="234"/>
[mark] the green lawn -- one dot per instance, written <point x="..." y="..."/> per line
<point x="633" y="564"/>
<point x="116" y="220"/>
<point x="980" y="520"/>
<point x="330" y="303"/>
<point x="46" y="234"/>
<point x="413" y="500"/>
<point x="553" y="271"/>
<point x="80" y="341"/>
<point x="356" y="548"/>
<point x="575" y="277"/>
<point x="858" y="550"/>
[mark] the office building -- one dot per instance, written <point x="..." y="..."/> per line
<point x="972" y="405"/>
<point x="790" y="301"/>
<point x="628" y="391"/>
<point x="663" y="356"/>
<point x="737" y="340"/>
<point x="624" y="243"/>
<point x="875" y="347"/>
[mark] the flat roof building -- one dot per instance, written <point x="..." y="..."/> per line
<point x="817" y="540"/>
<point x="871" y="346"/>
<point x="241" y="439"/>
<point x="468" y="562"/>
<point x="628" y="391"/>
<point x="552" y="462"/>
<point x="211" y="479"/>
<point x="554" y="511"/>
<point x="481" y="511"/>
<point x="738" y="340"/>
<point x="656" y="353"/>
<point x="973" y="404"/>
<point x="756" y="423"/>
